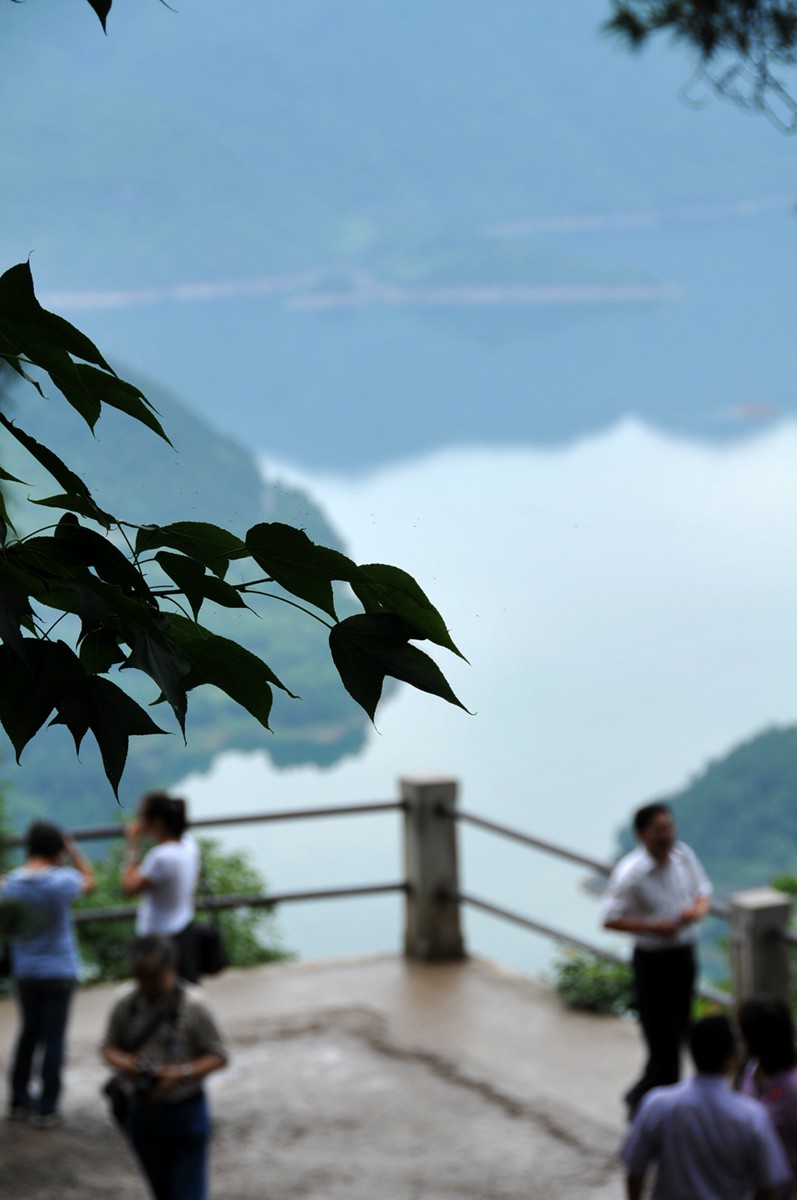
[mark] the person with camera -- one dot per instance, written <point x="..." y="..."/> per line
<point x="163" y="1041"/>
<point x="45" y="967"/>
<point x="166" y="877"/>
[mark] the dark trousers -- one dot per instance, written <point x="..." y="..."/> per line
<point x="664" y="981"/>
<point x="171" y="1142"/>
<point x="44" y="1011"/>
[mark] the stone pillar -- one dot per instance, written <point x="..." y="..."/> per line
<point x="760" y="956"/>
<point x="432" y="926"/>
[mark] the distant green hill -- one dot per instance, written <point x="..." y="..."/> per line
<point x="206" y="477"/>
<point x="738" y="813"/>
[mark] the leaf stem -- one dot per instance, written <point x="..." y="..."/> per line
<point x="284" y="599"/>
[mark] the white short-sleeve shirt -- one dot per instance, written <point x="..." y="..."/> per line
<point x="172" y="869"/>
<point x="641" y="886"/>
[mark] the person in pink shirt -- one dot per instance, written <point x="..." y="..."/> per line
<point x="770" y="1075"/>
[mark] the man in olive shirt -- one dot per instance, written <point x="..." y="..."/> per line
<point x="163" y="1041"/>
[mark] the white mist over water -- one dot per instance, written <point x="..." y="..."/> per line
<point x="629" y="609"/>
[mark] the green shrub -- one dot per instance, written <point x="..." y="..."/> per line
<point x="588" y="982"/>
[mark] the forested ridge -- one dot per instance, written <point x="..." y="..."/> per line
<point x="738" y="812"/>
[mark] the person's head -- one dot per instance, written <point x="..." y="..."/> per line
<point x="768" y="1032"/>
<point x="44" y="840"/>
<point x="654" y="826"/>
<point x="162" y="815"/>
<point x="712" y="1044"/>
<point x="153" y="964"/>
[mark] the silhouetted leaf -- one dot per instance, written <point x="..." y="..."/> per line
<point x="101" y="8"/>
<point x="113" y="717"/>
<point x="49" y="571"/>
<point x="197" y="586"/>
<point x="82" y="505"/>
<point x="72" y="484"/>
<point x="105" y="604"/>
<point x="21" y="316"/>
<point x="53" y="571"/>
<point x="30" y="332"/>
<point x="382" y="588"/>
<point x="243" y="676"/>
<point x="34" y="683"/>
<point x="15" y="610"/>
<point x="167" y="665"/>
<point x="5" y="521"/>
<point x="91" y="549"/>
<point x="99" y="651"/>
<point x="298" y="564"/>
<point x="367" y="647"/>
<point x="208" y="544"/>
<point x="110" y="389"/>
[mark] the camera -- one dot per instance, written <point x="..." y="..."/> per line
<point x="144" y="1081"/>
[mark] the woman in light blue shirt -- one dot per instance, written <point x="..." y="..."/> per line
<point x="44" y="963"/>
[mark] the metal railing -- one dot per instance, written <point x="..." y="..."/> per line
<point x="434" y="899"/>
<point x="106" y="833"/>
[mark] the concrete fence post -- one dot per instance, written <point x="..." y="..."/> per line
<point x="432" y="925"/>
<point x="760" y="955"/>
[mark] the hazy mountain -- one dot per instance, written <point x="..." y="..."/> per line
<point x="412" y="224"/>
<point x="205" y="477"/>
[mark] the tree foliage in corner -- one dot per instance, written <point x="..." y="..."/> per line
<point x="90" y="594"/>
<point x="742" y="45"/>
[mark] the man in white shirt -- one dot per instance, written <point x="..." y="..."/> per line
<point x="658" y="893"/>
<point x="705" y="1140"/>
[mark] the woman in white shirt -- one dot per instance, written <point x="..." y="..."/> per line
<point x="166" y="877"/>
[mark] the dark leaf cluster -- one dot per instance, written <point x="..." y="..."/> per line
<point x="91" y="594"/>
<point x="745" y="26"/>
<point x="740" y="45"/>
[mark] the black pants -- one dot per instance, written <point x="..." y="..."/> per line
<point x="44" y="1009"/>
<point x="664" y="981"/>
<point x="171" y="1142"/>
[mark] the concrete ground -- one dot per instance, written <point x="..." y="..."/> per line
<point x="369" y="1079"/>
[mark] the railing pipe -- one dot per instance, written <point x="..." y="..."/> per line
<point x="104" y="832"/>
<point x="534" y="926"/>
<point x="127" y="912"/>
<point x="525" y="839"/>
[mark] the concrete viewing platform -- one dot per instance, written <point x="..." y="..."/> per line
<point x="365" y="1079"/>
